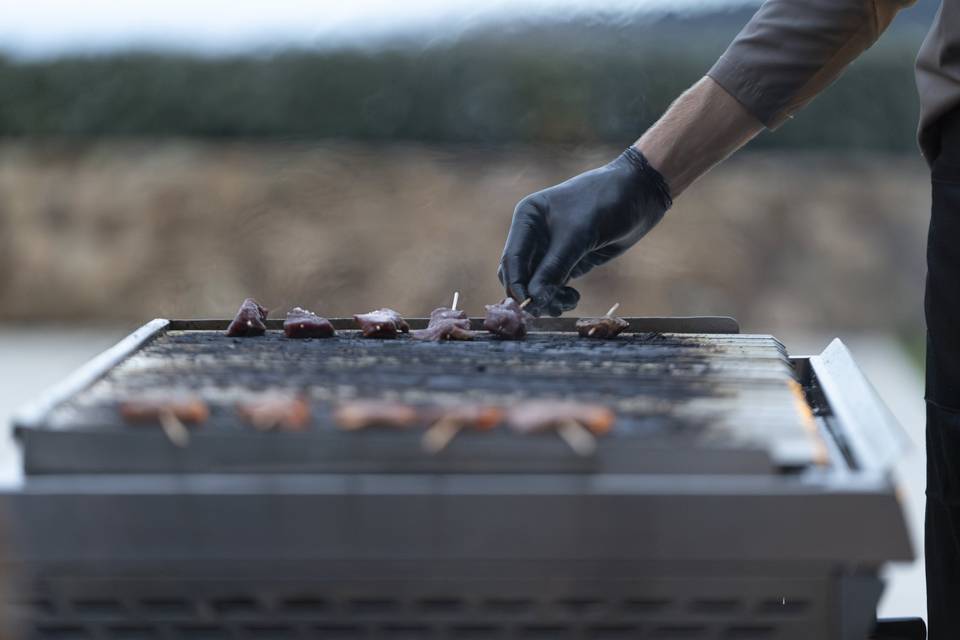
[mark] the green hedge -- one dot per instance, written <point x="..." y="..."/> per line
<point x="570" y="88"/>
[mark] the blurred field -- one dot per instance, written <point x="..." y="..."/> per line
<point x="121" y="231"/>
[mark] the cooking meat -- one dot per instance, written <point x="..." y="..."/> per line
<point x="544" y="415"/>
<point x="360" y="414"/>
<point x="249" y="321"/>
<point x="446" y="313"/>
<point x="472" y="416"/>
<point x="576" y="423"/>
<point x="275" y="411"/>
<point x="454" y="419"/>
<point x="601" y="328"/>
<point x="445" y="329"/>
<point x="382" y="323"/>
<point x="301" y="323"/>
<point x="506" y="320"/>
<point x="170" y="412"/>
<point x="151" y="409"/>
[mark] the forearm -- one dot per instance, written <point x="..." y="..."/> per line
<point x="789" y="52"/>
<point x="701" y="128"/>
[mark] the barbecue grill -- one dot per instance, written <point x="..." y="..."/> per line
<point x="742" y="494"/>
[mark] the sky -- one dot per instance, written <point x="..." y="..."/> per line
<point x="43" y="28"/>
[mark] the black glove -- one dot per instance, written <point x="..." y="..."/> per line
<point x="564" y="231"/>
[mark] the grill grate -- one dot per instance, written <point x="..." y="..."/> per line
<point x="728" y="398"/>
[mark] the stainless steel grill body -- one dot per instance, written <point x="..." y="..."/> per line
<point x="718" y="508"/>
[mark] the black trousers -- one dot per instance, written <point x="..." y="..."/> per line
<point x="942" y="307"/>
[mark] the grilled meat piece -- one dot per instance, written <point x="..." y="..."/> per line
<point x="544" y="415"/>
<point x="249" y="321"/>
<point x="151" y="409"/>
<point x="472" y="416"/>
<point x="446" y="313"/>
<point x="601" y="328"/>
<point x="170" y="412"/>
<point x="445" y="329"/>
<point x="360" y="414"/>
<point x="506" y="320"/>
<point x="382" y="323"/>
<point x="452" y="420"/>
<point x="275" y="411"/>
<point x="301" y="323"/>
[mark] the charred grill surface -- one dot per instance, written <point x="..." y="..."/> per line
<point x="719" y="402"/>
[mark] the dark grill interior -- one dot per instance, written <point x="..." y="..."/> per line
<point x="276" y="615"/>
<point x="723" y="395"/>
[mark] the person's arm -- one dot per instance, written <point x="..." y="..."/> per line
<point x="789" y="52"/>
<point x="704" y="126"/>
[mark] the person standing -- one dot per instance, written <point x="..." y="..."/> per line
<point x="787" y="54"/>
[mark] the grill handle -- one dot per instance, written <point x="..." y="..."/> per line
<point x="874" y="435"/>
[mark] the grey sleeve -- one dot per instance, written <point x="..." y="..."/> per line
<point x="792" y="49"/>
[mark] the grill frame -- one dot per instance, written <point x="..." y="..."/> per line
<point x="824" y="534"/>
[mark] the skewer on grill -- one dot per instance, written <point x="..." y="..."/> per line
<point x="169" y="412"/>
<point x="454" y="420"/>
<point x="381" y="323"/>
<point x="361" y="414"/>
<point x="301" y="323"/>
<point x="446" y="324"/>
<point x="249" y="321"/>
<point x="606" y="326"/>
<point x="275" y="411"/>
<point x="507" y="320"/>
<point x="578" y="424"/>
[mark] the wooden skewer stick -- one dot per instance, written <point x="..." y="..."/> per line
<point x="608" y="314"/>
<point x="456" y="298"/>
<point x="442" y="433"/>
<point x="578" y="437"/>
<point x="173" y="428"/>
<point x="525" y="302"/>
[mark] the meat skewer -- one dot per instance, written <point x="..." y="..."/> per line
<point x="275" y="410"/>
<point x="382" y="323"/>
<point x="301" y="323"/>
<point x="576" y="423"/>
<point x="607" y="326"/>
<point x="361" y="414"/>
<point x="455" y="419"/>
<point x="446" y="324"/>
<point x="249" y="321"/>
<point x="507" y="320"/>
<point x="169" y="412"/>
<point x="445" y="329"/>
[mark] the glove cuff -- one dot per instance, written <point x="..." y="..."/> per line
<point x="651" y="176"/>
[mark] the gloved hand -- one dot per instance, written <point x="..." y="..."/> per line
<point x="564" y="231"/>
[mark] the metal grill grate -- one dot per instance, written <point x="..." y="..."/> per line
<point x="728" y="398"/>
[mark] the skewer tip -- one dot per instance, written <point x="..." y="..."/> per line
<point x="613" y="308"/>
<point x="525" y="302"/>
<point x="456" y="298"/>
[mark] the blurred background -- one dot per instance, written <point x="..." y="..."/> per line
<point x="171" y="159"/>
